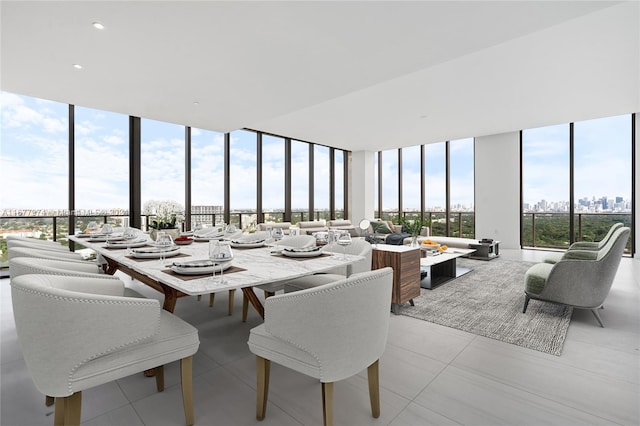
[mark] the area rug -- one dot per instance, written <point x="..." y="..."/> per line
<point x="488" y="302"/>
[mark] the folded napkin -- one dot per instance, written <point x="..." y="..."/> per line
<point x="208" y="233"/>
<point x="195" y="264"/>
<point x="301" y="249"/>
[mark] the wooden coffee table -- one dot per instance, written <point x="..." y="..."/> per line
<point x="436" y="270"/>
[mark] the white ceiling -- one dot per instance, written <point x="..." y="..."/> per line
<point x="355" y="75"/>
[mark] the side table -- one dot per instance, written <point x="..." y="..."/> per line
<point x="485" y="251"/>
<point x="405" y="262"/>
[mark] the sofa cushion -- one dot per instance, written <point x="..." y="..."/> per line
<point x="381" y="227"/>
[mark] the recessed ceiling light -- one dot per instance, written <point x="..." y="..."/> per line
<point x="77" y="66"/>
<point x="196" y="103"/>
<point x="98" y="26"/>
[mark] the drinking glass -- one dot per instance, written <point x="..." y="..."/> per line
<point x="220" y="254"/>
<point x="91" y="228"/>
<point x="164" y="242"/>
<point x="277" y="235"/>
<point x="107" y="229"/>
<point x="128" y="236"/>
<point x="344" y="240"/>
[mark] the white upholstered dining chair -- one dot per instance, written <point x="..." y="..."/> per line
<point x="46" y="254"/>
<point x="100" y="336"/>
<point x="14" y="241"/>
<point x="330" y="332"/>
<point x="294" y="241"/>
<point x="357" y="247"/>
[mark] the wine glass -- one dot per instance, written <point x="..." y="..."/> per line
<point x="107" y="230"/>
<point x="277" y="235"/>
<point x="91" y="228"/>
<point x="196" y="228"/>
<point x="164" y="242"/>
<point x="344" y="240"/>
<point x="128" y="235"/>
<point x="219" y="254"/>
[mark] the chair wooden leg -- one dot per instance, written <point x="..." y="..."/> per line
<point x="245" y="308"/>
<point x="159" y="378"/>
<point x="49" y="400"/>
<point x="58" y="416"/>
<point x="212" y="297"/>
<point x="186" y="377"/>
<point x="327" y="403"/>
<point x="232" y="295"/>
<point x="526" y="303"/>
<point x="263" y="367"/>
<point x="68" y="410"/>
<point x="374" y="388"/>
<point x="72" y="409"/>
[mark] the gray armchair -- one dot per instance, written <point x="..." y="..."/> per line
<point x="581" y="279"/>
<point x="585" y="245"/>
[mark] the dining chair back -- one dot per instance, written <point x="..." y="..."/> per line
<point x="100" y="336"/>
<point x="330" y="332"/>
<point x="45" y="254"/>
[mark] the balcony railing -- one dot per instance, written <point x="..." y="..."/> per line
<point x="462" y="224"/>
<point x="56" y="228"/>
<point x="551" y="230"/>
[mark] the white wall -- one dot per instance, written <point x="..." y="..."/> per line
<point x="362" y="182"/>
<point x="497" y="188"/>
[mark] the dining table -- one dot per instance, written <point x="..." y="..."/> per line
<point x="250" y="267"/>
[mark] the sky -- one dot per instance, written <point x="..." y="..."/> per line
<point x="34" y="163"/>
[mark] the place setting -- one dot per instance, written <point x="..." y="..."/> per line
<point x="162" y="248"/>
<point x="219" y="263"/>
<point x="246" y="241"/>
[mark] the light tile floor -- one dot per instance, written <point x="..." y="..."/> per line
<point x="430" y="375"/>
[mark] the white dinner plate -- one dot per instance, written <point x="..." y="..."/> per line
<point x="155" y="252"/>
<point x="247" y="245"/>
<point x="103" y="238"/>
<point x="200" y="270"/>
<point x="126" y="244"/>
<point x="208" y="237"/>
<point x="313" y="253"/>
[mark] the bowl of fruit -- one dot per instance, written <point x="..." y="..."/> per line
<point x="429" y="245"/>
<point x="183" y="240"/>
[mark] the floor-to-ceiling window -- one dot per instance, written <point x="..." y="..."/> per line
<point x="243" y="178"/>
<point x="321" y="189"/>
<point x="299" y="181"/>
<point x="545" y="186"/>
<point x="461" y="187"/>
<point x="273" y="190"/>
<point x="207" y="177"/>
<point x="162" y="163"/>
<point x="602" y="176"/>
<point x="101" y="166"/>
<point x="34" y="168"/>
<point x="411" y="186"/>
<point x="339" y="184"/>
<point x="390" y="195"/>
<point x="435" y="183"/>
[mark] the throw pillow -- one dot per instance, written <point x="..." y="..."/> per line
<point x="380" y="227"/>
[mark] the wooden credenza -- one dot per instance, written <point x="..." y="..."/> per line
<point x="405" y="262"/>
